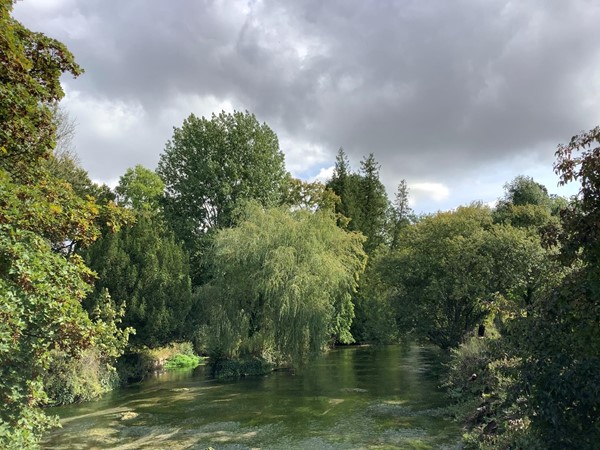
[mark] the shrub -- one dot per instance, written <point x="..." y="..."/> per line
<point x="484" y="382"/>
<point x="181" y="361"/>
<point x="73" y="380"/>
<point x="139" y="363"/>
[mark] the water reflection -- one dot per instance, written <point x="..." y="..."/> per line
<point x="356" y="397"/>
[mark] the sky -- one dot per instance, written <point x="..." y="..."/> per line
<point x="456" y="96"/>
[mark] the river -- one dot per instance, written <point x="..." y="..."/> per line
<point x="350" y="398"/>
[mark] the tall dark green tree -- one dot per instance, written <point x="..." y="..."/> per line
<point x="146" y="271"/>
<point x="374" y="205"/>
<point x="401" y="213"/>
<point x="143" y="267"/>
<point x="363" y="200"/>
<point x="363" y="208"/>
<point x="344" y="183"/>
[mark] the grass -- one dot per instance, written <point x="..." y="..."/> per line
<point x="181" y="361"/>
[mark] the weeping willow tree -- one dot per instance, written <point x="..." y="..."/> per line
<point x="282" y="285"/>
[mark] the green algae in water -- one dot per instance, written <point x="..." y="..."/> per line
<point x="379" y="398"/>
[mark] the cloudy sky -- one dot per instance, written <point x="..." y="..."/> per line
<point x="455" y="96"/>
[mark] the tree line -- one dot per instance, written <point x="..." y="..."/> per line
<point x="222" y="247"/>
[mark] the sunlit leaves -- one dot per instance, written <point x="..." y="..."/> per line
<point x="42" y="220"/>
<point x="209" y="165"/>
<point x="140" y="189"/>
<point x="450" y="270"/>
<point x="30" y="68"/>
<point x="283" y="283"/>
<point x="40" y="293"/>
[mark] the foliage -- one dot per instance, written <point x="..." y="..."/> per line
<point x="88" y="209"/>
<point x="282" y="284"/>
<point x="140" y="189"/>
<point x="30" y="68"/>
<point x="559" y="345"/>
<point x="525" y="191"/>
<point x="450" y="269"/>
<point x="375" y="312"/>
<point x="373" y="205"/>
<point x="181" y="361"/>
<point x="527" y="204"/>
<point x="209" y="167"/>
<point x="177" y="355"/>
<point x="562" y="338"/>
<point x="363" y="199"/>
<point x="78" y="379"/>
<point x="39" y="294"/>
<point x="146" y="272"/>
<point x="341" y="184"/>
<point x="363" y="207"/>
<point x="300" y="194"/>
<point x="41" y="284"/>
<point x="136" y="365"/>
<point x="401" y="213"/>
<point x="64" y="165"/>
<point x="482" y="379"/>
<point x="580" y="235"/>
<point x="541" y="379"/>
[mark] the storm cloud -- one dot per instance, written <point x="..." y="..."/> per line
<point x="457" y="97"/>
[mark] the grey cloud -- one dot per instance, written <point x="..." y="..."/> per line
<point x="437" y="89"/>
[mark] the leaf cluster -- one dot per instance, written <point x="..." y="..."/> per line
<point x="282" y="284"/>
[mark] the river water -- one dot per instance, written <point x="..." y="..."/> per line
<point x="350" y="398"/>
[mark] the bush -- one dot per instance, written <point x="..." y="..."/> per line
<point x="484" y="382"/>
<point x="73" y="380"/>
<point x="89" y="373"/>
<point x="138" y="364"/>
<point x="180" y="361"/>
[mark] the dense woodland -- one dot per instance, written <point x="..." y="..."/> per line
<point x="222" y="248"/>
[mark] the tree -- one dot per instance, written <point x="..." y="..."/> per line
<point x="282" y="284"/>
<point x="451" y="268"/>
<point x="146" y="272"/>
<point x="364" y="208"/>
<point x="402" y="214"/>
<point x="65" y="130"/>
<point x="40" y="288"/>
<point x="143" y="267"/>
<point x="524" y="190"/>
<point x="140" y="189"/>
<point x="300" y="194"/>
<point x="363" y="200"/>
<point x="373" y="205"/>
<point x="562" y="337"/>
<point x="527" y="203"/>
<point x="374" y="305"/>
<point x="31" y="65"/>
<point x="343" y="184"/>
<point x="210" y="165"/>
